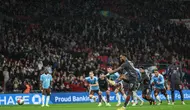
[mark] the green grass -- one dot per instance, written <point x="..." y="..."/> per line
<point x="93" y="106"/>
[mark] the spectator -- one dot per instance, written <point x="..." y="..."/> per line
<point x="68" y="89"/>
<point x="186" y="84"/>
<point x="62" y="88"/>
<point x="6" y="78"/>
<point x="1" y="89"/>
<point x="26" y="87"/>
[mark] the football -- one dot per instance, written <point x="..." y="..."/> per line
<point x="20" y="101"/>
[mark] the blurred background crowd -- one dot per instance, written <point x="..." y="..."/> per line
<point x="69" y="38"/>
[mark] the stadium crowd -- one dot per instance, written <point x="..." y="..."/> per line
<point x="69" y="47"/>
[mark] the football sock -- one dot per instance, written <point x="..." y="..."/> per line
<point x="118" y="98"/>
<point x="47" y="99"/>
<point x="43" y="99"/>
<point x="100" y="98"/>
<point x="181" y="94"/>
<point x="108" y="98"/>
<point x="173" y="95"/>
<point x="139" y="98"/>
<point x="158" y="98"/>
<point x="124" y="96"/>
<point x="103" y="99"/>
<point x="127" y="100"/>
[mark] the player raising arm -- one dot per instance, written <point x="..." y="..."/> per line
<point x="45" y="87"/>
<point x="158" y="82"/>
<point x="130" y="77"/>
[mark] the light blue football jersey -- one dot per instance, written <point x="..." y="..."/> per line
<point x="46" y="80"/>
<point x="158" y="81"/>
<point x="93" y="80"/>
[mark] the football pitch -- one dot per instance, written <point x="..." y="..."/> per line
<point x="93" y="106"/>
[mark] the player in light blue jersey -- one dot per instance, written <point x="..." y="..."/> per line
<point x="114" y="76"/>
<point x="45" y="86"/>
<point x="158" y="82"/>
<point x="94" y="87"/>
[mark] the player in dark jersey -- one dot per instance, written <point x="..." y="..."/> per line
<point x="104" y="87"/>
<point x="118" y="86"/>
<point x="135" y="97"/>
<point x="130" y="77"/>
<point x="174" y="73"/>
<point x="146" y="92"/>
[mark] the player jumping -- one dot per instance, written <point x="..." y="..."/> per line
<point x="158" y="82"/>
<point x="94" y="87"/>
<point x="45" y="87"/>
